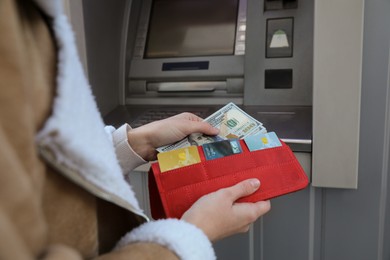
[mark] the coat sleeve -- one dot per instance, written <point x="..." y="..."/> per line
<point x="184" y="239"/>
<point x="187" y="241"/>
<point x="127" y="157"/>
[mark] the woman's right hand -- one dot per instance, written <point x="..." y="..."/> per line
<point x="219" y="215"/>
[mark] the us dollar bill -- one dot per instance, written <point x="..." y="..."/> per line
<point x="231" y="121"/>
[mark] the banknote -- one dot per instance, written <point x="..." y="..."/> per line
<point x="231" y="121"/>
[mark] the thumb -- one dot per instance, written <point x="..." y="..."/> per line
<point x="243" y="188"/>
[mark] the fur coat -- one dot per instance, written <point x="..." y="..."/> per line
<point x="63" y="194"/>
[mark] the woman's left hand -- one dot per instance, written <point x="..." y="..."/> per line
<point x="145" y="139"/>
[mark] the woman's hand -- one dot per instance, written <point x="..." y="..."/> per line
<point x="218" y="214"/>
<point x="145" y="139"/>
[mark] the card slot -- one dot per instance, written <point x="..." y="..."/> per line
<point x="275" y="180"/>
<point x="272" y="156"/>
<point x="228" y="165"/>
<point x="177" y="177"/>
<point x="209" y="169"/>
<point x="286" y="172"/>
<point x="204" y="170"/>
<point x="255" y="157"/>
<point x="191" y="193"/>
<point x="248" y="159"/>
<point x="268" y="171"/>
<point x="244" y="146"/>
<point x="177" y="207"/>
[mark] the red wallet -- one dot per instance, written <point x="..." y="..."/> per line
<point x="173" y="192"/>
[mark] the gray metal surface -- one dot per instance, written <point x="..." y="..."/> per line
<point x="356" y="223"/>
<point x="103" y="22"/>
<point x="301" y="62"/>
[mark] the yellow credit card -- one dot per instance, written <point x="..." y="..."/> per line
<point x="178" y="158"/>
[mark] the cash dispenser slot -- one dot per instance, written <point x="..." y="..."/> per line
<point x="231" y="86"/>
<point x="186" y="86"/>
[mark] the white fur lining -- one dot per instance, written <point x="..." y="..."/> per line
<point x="75" y="130"/>
<point x="186" y="240"/>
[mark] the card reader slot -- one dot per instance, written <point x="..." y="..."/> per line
<point x="204" y="86"/>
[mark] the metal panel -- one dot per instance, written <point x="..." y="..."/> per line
<point x="103" y="22"/>
<point x="338" y="34"/>
<point x="286" y="227"/>
<point x="356" y="222"/>
<point x="301" y="62"/>
<point x="384" y="251"/>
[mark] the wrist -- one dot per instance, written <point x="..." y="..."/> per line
<point x="139" y="142"/>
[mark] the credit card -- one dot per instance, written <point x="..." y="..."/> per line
<point x="221" y="149"/>
<point x="178" y="158"/>
<point x="262" y="141"/>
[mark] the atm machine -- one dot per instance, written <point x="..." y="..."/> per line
<point x="315" y="72"/>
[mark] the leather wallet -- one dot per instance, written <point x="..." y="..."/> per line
<point x="173" y="192"/>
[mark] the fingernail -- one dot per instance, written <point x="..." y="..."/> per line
<point x="255" y="183"/>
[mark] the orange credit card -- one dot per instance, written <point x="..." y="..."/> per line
<point x="178" y="158"/>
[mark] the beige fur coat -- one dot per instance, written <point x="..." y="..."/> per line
<point x="59" y="200"/>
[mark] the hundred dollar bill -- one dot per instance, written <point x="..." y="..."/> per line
<point x="231" y="121"/>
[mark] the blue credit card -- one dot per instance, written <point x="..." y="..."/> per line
<point x="221" y="149"/>
<point x="262" y="141"/>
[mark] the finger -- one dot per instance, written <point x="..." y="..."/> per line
<point x="250" y="212"/>
<point x="195" y="124"/>
<point x="261" y="207"/>
<point x="200" y="127"/>
<point x="189" y="116"/>
<point x="242" y="189"/>
<point x="205" y="128"/>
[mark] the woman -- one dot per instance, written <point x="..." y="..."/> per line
<point x="63" y="195"/>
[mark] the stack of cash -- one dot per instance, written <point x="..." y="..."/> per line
<point x="231" y="121"/>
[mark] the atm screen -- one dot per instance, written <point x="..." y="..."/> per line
<point x="190" y="28"/>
